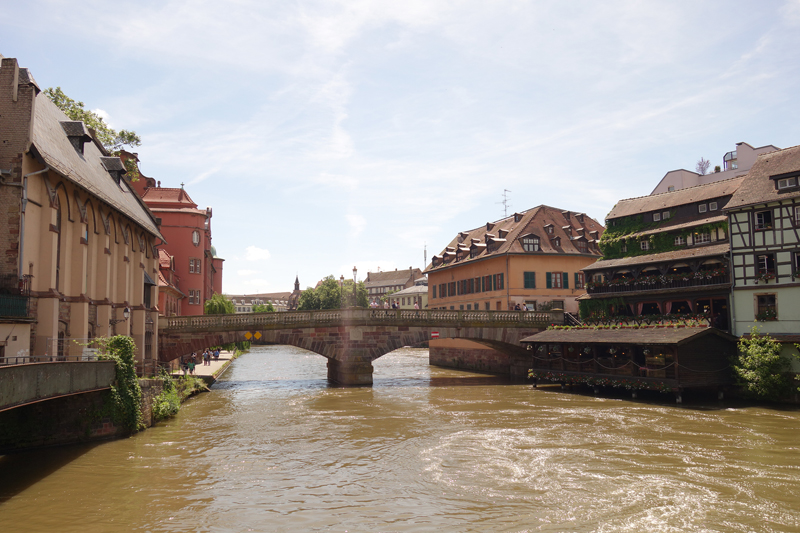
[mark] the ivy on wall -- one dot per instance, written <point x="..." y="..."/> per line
<point x="126" y="393"/>
<point x="621" y="240"/>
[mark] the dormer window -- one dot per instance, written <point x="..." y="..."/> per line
<point x="549" y="228"/>
<point x="582" y="246"/>
<point x="489" y="226"/>
<point x="517" y="217"/>
<point x="502" y="233"/>
<point x="567" y="229"/>
<point x="787" y="183"/>
<point x="114" y="167"/>
<point x="656" y="217"/>
<point x="76" y="133"/>
<point x="530" y="243"/>
<point x="557" y="242"/>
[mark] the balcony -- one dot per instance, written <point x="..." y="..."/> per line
<point x="13" y="305"/>
<point x="660" y="282"/>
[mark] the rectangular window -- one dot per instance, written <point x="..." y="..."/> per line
<point x="665" y="215"/>
<point x="700" y="238"/>
<point x="712" y="206"/>
<point x="656" y="217"/>
<point x="191" y="266"/>
<point x="582" y="246"/>
<point x="702" y="208"/>
<point x="644" y="245"/>
<point x="452" y="288"/>
<point x="796" y="263"/>
<point x="764" y="220"/>
<point x="469" y="307"/>
<point x="787" y="182"/>
<point x="765" y="307"/>
<point x="671" y="188"/>
<point x="765" y="264"/>
<point x="487" y="305"/>
<point x="477" y="284"/>
<point x="557" y="280"/>
<point x="680" y="240"/>
<point x="797" y="215"/>
<point x="500" y="283"/>
<point x="529" y="280"/>
<point x="434" y="292"/>
<point x="579" y="280"/>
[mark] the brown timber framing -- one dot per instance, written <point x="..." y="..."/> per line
<point x="754" y="242"/>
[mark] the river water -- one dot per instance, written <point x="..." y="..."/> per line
<point x="274" y="448"/>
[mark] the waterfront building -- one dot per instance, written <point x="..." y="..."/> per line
<point x="281" y="301"/>
<point x="531" y="259"/>
<point x="380" y="284"/>
<point x="664" y="255"/>
<point x="735" y="164"/>
<point x="405" y="299"/>
<point x="75" y="238"/>
<point x="187" y="231"/>
<point x="764" y="218"/>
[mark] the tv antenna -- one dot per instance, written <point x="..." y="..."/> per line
<point x="505" y="203"/>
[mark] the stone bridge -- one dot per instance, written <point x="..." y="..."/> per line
<point x="352" y="338"/>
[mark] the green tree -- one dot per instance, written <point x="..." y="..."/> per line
<point x="219" y="305"/>
<point x="760" y="369"/>
<point x="261" y="308"/>
<point x="329" y="295"/>
<point x="112" y="140"/>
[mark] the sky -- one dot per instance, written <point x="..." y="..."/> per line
<point x="332" y="134"/>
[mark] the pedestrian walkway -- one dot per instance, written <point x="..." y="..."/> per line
<point x="211" y="371"/>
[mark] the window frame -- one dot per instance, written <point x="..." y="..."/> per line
<point x="702" y="208"/>
<point x="534" y="243"/>
<point x="656" y="217"/>
<point x="529" y="280"/>
<point x="763" y="225"/>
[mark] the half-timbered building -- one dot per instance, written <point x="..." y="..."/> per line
<point x="764" y="218"/>
<point x="664" y="256"/>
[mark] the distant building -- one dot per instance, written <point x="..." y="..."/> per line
<point x="734" y="164"/>
<point x="281" y="301"/>
<point x="380" y="284"/>
<point x="418" y="294"/>
<point x="665" y="254"/>
<point x="79" y="247"/>
<point x="764" y="218"/>
<point x="531" y="259"/>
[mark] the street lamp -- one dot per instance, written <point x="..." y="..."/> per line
<point x="355" y="273"/>
<point x="126" y="314"/>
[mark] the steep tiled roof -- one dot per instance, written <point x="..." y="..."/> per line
<point x="391" y="276"/>
<point x="675" y="255"/>
<point x="86" y="171"/>
<point x="691" y="224"/>
<point x="666" y="200"/>
<point x="503" y="236"/>
<point x="164" y="259"/>
<point x="758" y="188"/>
<point x="168" y="195"/>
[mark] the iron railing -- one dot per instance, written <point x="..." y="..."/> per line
<point x="634" y="285"/>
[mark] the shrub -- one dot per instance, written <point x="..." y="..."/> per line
<point x="760" y="370"/>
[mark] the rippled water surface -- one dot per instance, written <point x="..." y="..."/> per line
<point x="274" y="448"/>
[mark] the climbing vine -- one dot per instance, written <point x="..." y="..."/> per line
<point x="623" y="239"/>
<point x="126" y="394"/>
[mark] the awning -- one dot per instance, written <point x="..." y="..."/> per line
<point x="657" y="335"/>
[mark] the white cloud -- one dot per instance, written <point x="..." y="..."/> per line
<point x="253" y="253"/>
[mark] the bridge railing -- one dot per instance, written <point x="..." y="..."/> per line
<point x="421" y="317"/>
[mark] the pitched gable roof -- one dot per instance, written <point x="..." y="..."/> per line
<point x="86" y="170"/>
<point x="568" y="227"/>
<point x="666" y="200"/>
<point x="758" y="186"/>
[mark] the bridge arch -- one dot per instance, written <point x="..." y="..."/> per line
<point x="351" y="339"/>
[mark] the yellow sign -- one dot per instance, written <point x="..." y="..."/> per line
<point x="248" y="335"/>
<point x="257" y="335"/>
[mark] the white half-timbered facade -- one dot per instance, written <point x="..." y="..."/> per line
<point x="764" y="221"/>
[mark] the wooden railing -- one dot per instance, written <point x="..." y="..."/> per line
<point x="634" y="285"/>
<point x="358" y="317"/>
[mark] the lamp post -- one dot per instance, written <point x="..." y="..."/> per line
<point x="126" y="314"/>
<point x="355" y="299"/>
<point x="341" y="291"/>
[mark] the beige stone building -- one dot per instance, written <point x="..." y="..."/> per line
<point x="75" y="237"/>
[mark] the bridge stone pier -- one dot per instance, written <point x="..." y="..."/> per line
<point x="351" y="339"/>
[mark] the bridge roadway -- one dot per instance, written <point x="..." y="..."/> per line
<point x="352" y="338"/>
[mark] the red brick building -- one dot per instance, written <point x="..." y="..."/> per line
<point x="196" y="269"/>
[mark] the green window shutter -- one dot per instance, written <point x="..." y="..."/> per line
<point x="530" y="280"/>
<point x="577" y="280"/>
<point x="565" y="279"/>
<point x="549" y="280"/>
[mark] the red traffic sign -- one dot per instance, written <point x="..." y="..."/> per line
<point x="434" y="334"/>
